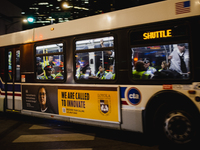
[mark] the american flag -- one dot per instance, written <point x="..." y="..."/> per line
<point x="182" y="7"/>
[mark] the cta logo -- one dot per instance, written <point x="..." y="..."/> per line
<point x="134" y="96"/>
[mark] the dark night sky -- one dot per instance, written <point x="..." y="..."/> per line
<point x="22" y="3"/>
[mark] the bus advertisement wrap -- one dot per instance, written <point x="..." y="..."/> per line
<point x="89" y="104"/>
<point x="40" y="98"/>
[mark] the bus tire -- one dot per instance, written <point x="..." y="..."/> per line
<point x="175" y="125"/>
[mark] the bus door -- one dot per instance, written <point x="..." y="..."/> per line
<point x="13" y="90"/>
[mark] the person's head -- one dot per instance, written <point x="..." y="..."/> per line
<point x="50" y="58"/>
<point x="77" y="64"/>
<point x="101" y="41"/>
<point x="146" y="63"/>
<point x="101" y="69"/>
<point x="61" y="68"/>
<point x="38" y="59"/>
<point x="140" y="66"/>
<point x="111" y="68"/>
<point x="164" y="65"/>
<point x="48" y="70"/>
<point x="88" y="70"/>
<point x="42" y="98"/>
<point x="181" y="47"/>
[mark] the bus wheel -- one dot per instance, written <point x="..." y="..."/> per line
<point x="176" y="126"/>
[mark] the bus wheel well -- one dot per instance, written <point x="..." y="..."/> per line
<point x="163" y="99"/>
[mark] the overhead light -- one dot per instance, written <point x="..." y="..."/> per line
<point x="25" y="20"/>
<point x="30" y="19"/>
<point x="65" y="5"/>
<point x="43" y="3"/>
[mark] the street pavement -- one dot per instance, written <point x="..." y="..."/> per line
<point x="19" y="132"/>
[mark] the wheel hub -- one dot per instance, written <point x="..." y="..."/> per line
<point x="177" y="127"/>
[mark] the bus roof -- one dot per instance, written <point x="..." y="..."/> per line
<point x="160" y="11"/>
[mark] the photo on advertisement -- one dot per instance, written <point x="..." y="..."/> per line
<point x="40" y="98"/>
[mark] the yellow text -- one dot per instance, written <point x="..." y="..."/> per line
<point x="157" y="34"/>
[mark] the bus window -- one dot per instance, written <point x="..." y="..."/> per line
<point x="50" y="62"/>
<point x="95" y="43"/>
<point x="161" y="62"/>
<point x="96" y="63"/>
<point x="9" y="66"/>
<point x="17" y="65"/>
<point x="52" y="48"/>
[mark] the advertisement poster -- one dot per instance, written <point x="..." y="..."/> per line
<point x="90" y="103"/>
<point x="96" y="103"/>
<point x="40" y="98"/>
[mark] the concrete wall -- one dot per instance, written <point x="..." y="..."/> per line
<point x="10" y="20"/>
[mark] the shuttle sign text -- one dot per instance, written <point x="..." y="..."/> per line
<point x="157" y="34"/>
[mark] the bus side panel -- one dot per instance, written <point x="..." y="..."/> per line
<point x="27" y="65"/>
<point x="2" y="78"/>
<point x="195" y="52"/>
<point x="132" y="119"/>
<point x="88" y="104"/>
<point x="2" y="63"/>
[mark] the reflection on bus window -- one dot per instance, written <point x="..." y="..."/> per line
<point x="161" y="62"/>
<point x="95" y="43"/>
<point x="46" y="49"/>
<point x="98" y="64"/>
<point x="50" y="67"/>
<point x="9" y="66"/>
<point x="95" y="65"/>
<point x="17" y="65"/>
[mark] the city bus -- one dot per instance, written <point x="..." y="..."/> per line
<point x="135" y="69"/>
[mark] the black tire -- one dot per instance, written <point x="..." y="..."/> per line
<point x="175" y="125"/>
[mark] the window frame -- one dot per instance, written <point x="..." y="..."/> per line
<point x="51" y="54"/>
<point x="114" y="47"/>
<point x="19" y="80"/>
<point x="12" y="64"/>
<point x="13" y="50"/>
<point x="156" y="42"/>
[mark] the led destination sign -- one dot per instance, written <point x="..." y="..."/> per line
<point x="157" y="34"/>
<point x="160" y="34"/>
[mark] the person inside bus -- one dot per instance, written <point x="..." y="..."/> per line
<point x="18" y="58"/>
<point x="60" y="73"/>
<point x="110" y="74"/>
<point x="111" y="53"/>
<point x="150" y="70"/>
<point x="101" y="73"/>
<point x="39" y="69"/>
<point x="164" y="66"/>
<point x="102" y="44"/>
<point x="48" y="73"/>
<point x="86" y="73"/>
<point x="78" y="70"/>
<point x="50" y="61"/>
<point x="165" y="73"/>
<point x="42" y="99"/>
<point x="140" y="72"/>
<point x="179" y="59"/>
